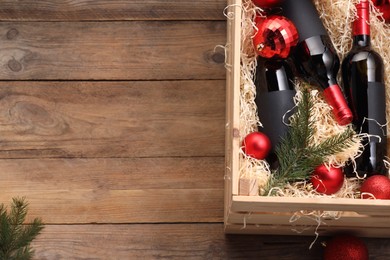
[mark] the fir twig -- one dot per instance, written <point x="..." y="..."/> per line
<point x="297" y="157"/>
<point x="15" y="236"/>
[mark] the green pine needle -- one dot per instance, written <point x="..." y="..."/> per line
<point x="15" y="236"/>
<point x="297" y="158"/>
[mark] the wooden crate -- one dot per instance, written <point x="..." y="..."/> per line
<point x="273" y="215"/>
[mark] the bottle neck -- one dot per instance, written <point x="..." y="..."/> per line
<point x="362" y="40"/>
<point x="361" y="26"/>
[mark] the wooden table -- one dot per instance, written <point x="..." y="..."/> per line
<point x="112" y="126"/>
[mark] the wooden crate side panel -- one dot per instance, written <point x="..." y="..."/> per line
<point x="289" y="204"/>
<point x="232" y="90"/>
<point x="347" y="219"/>
<point x="305" y="231"/>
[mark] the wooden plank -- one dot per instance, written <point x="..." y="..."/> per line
<point x="173" y="241"/>
<point x="259" y="229"/>
<point x="291" y="204"/>
<point x="144" y="190"/>
<point x="138" y="50"/>
<point x="348" y="219"/>
<point x="233" y="78"/>
<point x="178" y="241"/>
<point x="112" y="119"/>
<point x="76" y="10"/>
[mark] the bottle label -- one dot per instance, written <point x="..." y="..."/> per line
<point x="274" y="109"/>
<point x="304" y="15"/>
<point x="376" y="96"/>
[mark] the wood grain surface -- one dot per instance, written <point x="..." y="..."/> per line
<point x="179" y="241"/>
<point x="112" y="125"/>
<point x="109" y="190"/>
<point x="112" y="119"/>
<point x="135" y="50"/>
<point x="111" y="10"/>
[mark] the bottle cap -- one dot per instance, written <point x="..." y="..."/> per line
<point x="341" y="111"/>
<point x="361" y="25"/>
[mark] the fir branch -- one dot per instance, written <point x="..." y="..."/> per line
<point x="297" y="157"/>
<point x="333" y="144"/>
<point x="15" y="236"/>
<point x="302" y="123"/>
<point x="292" y="149"/>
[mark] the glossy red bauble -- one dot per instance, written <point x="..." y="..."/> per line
<point x="327" y="180"/>
<point x="383" y="7"/>
<point x="256" y="145"/>
<point x="275" y="36"/>
<point x="345" y="247"/>
<point x="377" y="185"/>
<point x="267" y="3"/>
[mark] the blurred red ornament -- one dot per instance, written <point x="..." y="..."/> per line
<point x="327" y="180"/>
<point x="345" y="247"/>
<point x="383" y="7"/>
<point x="267" y="3"/>
<point x="275" y="36"/>
<point x="256" y="145"/>
<point x="377" y="185"/>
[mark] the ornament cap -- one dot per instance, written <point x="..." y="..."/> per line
<point x="260" y="46"/>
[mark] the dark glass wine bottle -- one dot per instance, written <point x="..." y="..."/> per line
<point x="274" y="99"/>
<point x="363" y="79"/>
<point x="314" y="57"/>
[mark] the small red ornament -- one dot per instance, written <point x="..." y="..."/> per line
<point x="256" y="145"/>
<point x="327" y="180"/>
<point x="345" y="247"/>
<point x="275" y="36"/>
<point x="267" y="3"/>
<point x="383" y="7"/>
<point x="377" y="185"/>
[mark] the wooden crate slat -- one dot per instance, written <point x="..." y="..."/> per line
<point x="111" y="119"/>
<point x="347" y="219"/>
<point x="289" y="204"/>
<point x="135" y="50"/>
<point x="232" y="100"/>
<point x="378" y="232"/>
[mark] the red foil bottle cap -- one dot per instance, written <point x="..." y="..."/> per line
<point x="335" y="98"/>
<point x="361" y="25"/>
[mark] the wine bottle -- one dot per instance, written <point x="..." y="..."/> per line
<point x="314" y="57"/>
<point x="363" y="80"/>
<point x="274" y="99"/>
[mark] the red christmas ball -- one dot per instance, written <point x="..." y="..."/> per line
<point x="275" y="36"/>
<point x="345" y="247"/>
<point x="256" y="145"/>
<point x="377" y="185"/>
<point x="327" y="180"/>
<point x="267" y="3"/>
<point x="383" y="7"/>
